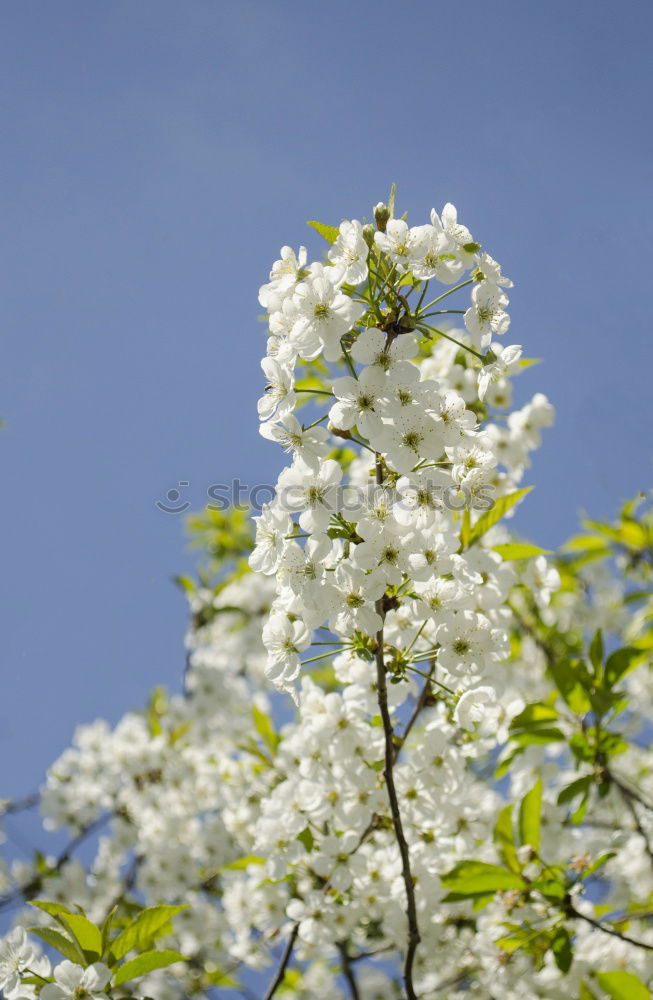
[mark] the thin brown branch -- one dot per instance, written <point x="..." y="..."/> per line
<point x="573" y="912"/>
<point x="128" y="882"/>
<point x="632" y="793"/>
<point x="19" y="805"/>
<point x="348" y="971"/>
<point x="283" y="964"/>
<point x="30" y="888"/>
<point x="388" y="774"/>
<point x="420" y="705"/>
<point x="629" y="799"/>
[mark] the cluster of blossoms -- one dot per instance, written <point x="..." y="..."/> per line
<point x="375" y="541"/>
<point x="362" y="848"/>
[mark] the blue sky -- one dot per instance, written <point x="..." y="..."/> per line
<point x="156" y="154"/>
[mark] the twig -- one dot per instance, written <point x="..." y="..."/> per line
<point x="632" y="793"/>
<point x="18" y="805"/>
<point x="629" y="799"/>
<point x="348" y="971"/>
<point x="128" y="882"/>
<point x="573" y="912"/>
<point x="417" y="711"/>
<point x="285" y="958"/>
<point x="33" y="886"/>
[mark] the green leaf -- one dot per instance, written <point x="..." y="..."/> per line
<point x="538" y="736"/>
<point x="622" y="986"/>
<point x="550" y="889"/>
<point x="86" y="933"/>
<point x="476" y="878"/>
<point x="242" y="864"/>
<point x="54" y="939"/>
<point x="573" y="681"/>
<point x="519" y="550"/>
<point x="501" y="507"/>
<point x="620" y="663"/>
<point x="306" y="838"/>
<point x="535" y="714"/>
<point x="54" y="909"/>
<point x="105" y="930"/>
<point x="265" y="729"/>
<point x="465" y="528"/>
<point x="391" y="200"/>
<point x="584" y="992"/>
<point x="504" y="838"/>
<point x="578" y="787"/>
<point x="584" y="543"/>
<point x="330" y="233"/>
<point x="596" y="652"/>
<point x="533" y="726"/>
<point x="600" y="861"/>
<point x="147" y="962"/>
<point x="530" y="813"/>
<point x="187" y="585"/>
<point x="529" y="362"/>
<point x="562" y="949"/>
<point x="142" y="931"/>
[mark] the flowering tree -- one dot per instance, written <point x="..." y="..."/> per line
<point x="411" y="754"/>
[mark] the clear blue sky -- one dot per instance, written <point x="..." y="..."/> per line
<point x="156" y="154"/>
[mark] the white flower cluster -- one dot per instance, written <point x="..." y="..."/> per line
<point x="294" y="828"/>
<point x="384" y="557"/>
<point x="354" y="546"/>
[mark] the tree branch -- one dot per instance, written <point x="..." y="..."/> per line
<point x="33" y="886"/>
<point x="388" y="732"/>
<point x="285" y="958"/>
<point x="18" y="805"/>
<point x="420" y="705"/>
<point x="348" y="970"/>
<point x="573" y="912"/>
<point x="629" y="802"/>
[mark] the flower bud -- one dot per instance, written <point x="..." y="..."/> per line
<point x="368" y="234"/>
<point x="381" y="216"/>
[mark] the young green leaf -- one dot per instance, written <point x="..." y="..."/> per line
<point x="620" y="663"/>
<point x="330" y="233"/>
<point x="105" y="930"/>
<point x="475" y="878"/>
<point x="58" y="941"/>
<point x="600" y="861"/>
<point x="147" y="962"/>
<point x="500" y="508"/>
<point x="530" y="812"/>
<point x="85" y="933"/>
<point x="596" y="652"/>
<point x="562" y="949"/>
<point x="573" y="681"/>
<point x="504" y="838"/>
<point x="242" y="864"/>
<point x="53" y="909"/>
<point x="142" y="931"/>
<point x="578" y="787"/>
<point x="265" y="729"/>
<point x="519" y="550"/>
<point x="465" y="528"/>
<point x="622" y="985"/>
<point x="391" y="200"/>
